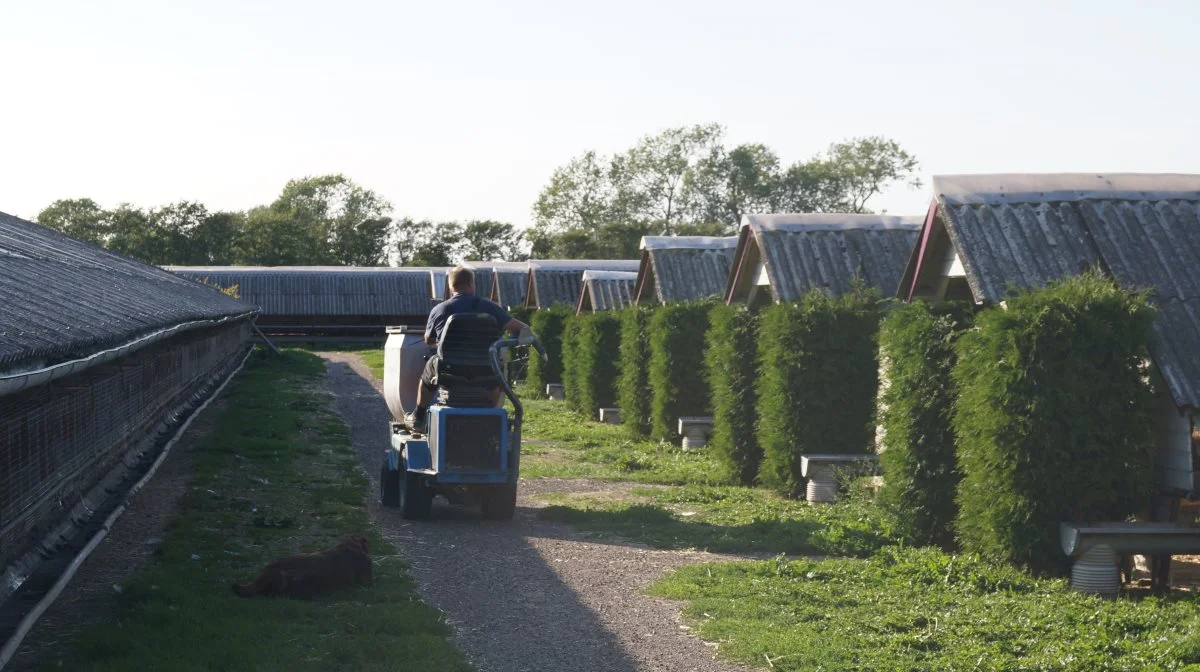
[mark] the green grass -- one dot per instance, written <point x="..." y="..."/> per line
<point x="276" y="476"/>
<point x="727" y="519"/>
<point x="371" y="353"/>
<point x="373" y="358"/>
<point x="558" y="443"/>
<point x="923" y="610"/>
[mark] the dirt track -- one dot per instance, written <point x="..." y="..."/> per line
<point x="527" y="595"/>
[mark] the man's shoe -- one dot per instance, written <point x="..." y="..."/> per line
<point x="415" y="421"/>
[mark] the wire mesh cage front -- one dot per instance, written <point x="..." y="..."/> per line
<point x="57" y="440"/>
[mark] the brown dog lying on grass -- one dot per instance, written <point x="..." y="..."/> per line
<point x="308" y="575"/>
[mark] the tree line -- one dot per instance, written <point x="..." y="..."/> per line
<point x="686" y="181"/>
<point x="681" y="181"/>
<point x="325" y="220"/>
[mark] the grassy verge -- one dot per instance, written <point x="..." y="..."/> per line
<point x="727" y="519"/>
<point x="275" y="477"/>
<point x="920" y="609"/>
<point x="558" y="443"/>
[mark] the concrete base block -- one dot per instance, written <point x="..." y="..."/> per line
<point x="556" y="391"/>
<point x="611" y="416"/>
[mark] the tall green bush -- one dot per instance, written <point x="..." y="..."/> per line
<point x="920" y="475"/>
<point x="548" y="324"/>
<point x="817" y="380"/>
<point x="1052" y="419"/>
<point x="592" y="365"/>
<point x="732" y="362"/>
<point x="633" y="385"/>
<point x="570" y="358"/>
<point x="677" y="333"/>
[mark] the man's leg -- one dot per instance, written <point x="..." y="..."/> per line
<point x="425" y="392"/>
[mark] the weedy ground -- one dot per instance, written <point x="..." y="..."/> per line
<point x="869" y="604"/>
<point x="275" y="477"/>
<point x="924" y="610"/>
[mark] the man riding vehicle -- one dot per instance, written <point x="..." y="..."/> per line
<point x="464" y="300"/>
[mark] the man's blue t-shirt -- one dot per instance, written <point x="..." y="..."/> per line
<point x="462" y="303"/>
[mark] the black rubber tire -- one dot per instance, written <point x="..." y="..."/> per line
<point x="416" y="500"/>
<point x="499" y="503"/>
<point x="389" y="485"/>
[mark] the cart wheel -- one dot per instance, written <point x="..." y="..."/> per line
<point x="500" y="502"/>
<point x="389" y="485"/>
<point x="416" y="499"/>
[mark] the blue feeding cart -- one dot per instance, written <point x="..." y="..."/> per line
<point x="471" y="451"/>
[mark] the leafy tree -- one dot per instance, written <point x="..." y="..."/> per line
<point x="171" y="228"/>
<point x="489" y="240"/>
<point x="426" y="243"/>
<point x="864" y="166"/>
<point x="650" y="177"/>
<point x="80" y="218"/>
<point x="580" y="196"/>
<point x="728" y="184"/>
<point x="216" y="239"/>
<point x="685" y="181"/>
<point x="130" y="233"/>
<point x="274" y="238"/>
<point x="347" y="223"/>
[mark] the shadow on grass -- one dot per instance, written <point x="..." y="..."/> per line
<point x="658" y="527"/>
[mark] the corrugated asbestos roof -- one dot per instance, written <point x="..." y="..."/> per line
<point x="683" y="268"/>
<point x="557" y="281"/>
<point x="508" y="287"/>
<point x="606" y="290"/>
<point x="806" y="251"/>
<point x="1024" y="230"/>
<point x="324" y="290"/>
<point x="61" y="298"/>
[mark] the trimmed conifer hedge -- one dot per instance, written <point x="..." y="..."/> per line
<point x="817" y="381"/>
<point x="570" y="358"/>
<point x="732" y="363"/>
<point x="548" y="324"/>
<point x="1052" y="418"/>
<point x="633" y="385"/>
<point x="592" y="365"/>
<point x="920" y="475"/>
<point x="521" y="314"/>
<point x="677" y="333"/>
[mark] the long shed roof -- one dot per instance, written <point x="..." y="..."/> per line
<point x="683" y="268"/>
<point x="606" y="290"/>
<point x="62" y="299"/>
<point x="555" y="281"/>
<point x="794" y="253"/>
<point x="1025" y="230"/>
<point x="326" y="291"/>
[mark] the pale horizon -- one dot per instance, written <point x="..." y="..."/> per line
<point x="458" y="115"/>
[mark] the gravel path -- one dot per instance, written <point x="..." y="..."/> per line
<point x="528" y="595"/>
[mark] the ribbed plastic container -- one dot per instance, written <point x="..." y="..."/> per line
<point x="822" y="486"/>
<point x="1096" y="571"/>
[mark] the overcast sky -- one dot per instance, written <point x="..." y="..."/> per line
<point x="460" y="110"/>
